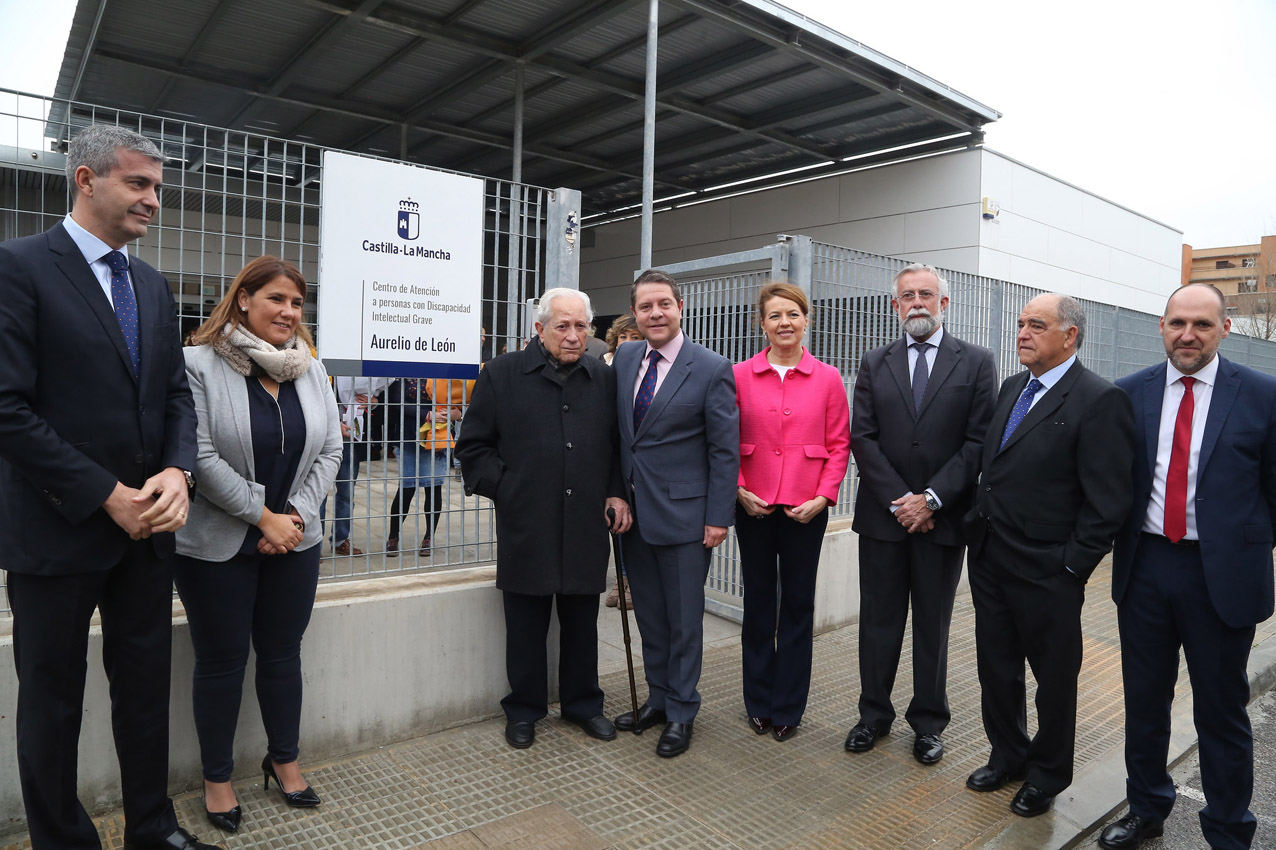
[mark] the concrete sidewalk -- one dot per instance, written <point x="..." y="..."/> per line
<point x="465" y="788"/>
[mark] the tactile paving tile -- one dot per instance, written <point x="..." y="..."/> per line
<point x="456" y="841"/>
<point x="546" y="827"/>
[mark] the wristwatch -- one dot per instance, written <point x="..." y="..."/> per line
<point x="932" y="504"/>
<point x="190" y="479"/>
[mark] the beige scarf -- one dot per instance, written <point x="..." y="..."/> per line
<point x="250" y="355"/>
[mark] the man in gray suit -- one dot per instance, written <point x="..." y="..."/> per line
<point x="680" y="454"/>
<point x="922" y="408"/>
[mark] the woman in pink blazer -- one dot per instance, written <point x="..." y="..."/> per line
<point x="795" y="444"/>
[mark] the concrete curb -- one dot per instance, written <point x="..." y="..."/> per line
<point x="1098" y="792"/>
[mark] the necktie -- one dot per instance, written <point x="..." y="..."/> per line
<point x="1175" y="525"/>
<point x="921" y="374"/>
<point x="646" y="390"/>
<point x="1021" y="409"/>
<point x="125" y="307"/>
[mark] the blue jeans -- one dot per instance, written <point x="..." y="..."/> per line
<point x="347" y="472"/>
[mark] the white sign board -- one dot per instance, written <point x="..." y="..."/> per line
<point x="400" y="270"/>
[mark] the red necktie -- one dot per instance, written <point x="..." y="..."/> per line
<point x="1176" y="478"/>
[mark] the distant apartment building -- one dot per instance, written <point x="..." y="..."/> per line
<point x="1246" y="275"/>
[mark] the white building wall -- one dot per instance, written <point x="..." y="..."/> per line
<point x="1049" y="234"/>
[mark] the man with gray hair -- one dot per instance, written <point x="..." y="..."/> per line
<point x="1054" y="489"/>
<point x="540" y="440"/>
<point x="97" y="452"/>
<point x="922" y="407"/>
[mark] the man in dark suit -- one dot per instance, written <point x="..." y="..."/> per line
<point x="1192" y="567"/>
<point x="922" y="406"/>
<point x="97" y="445"/>
<point x="1054" y="489"/>
<point x="540" y="440"/>
<point x="680" y="454"/>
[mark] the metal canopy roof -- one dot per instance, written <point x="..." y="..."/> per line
<point x="748" y="90"/>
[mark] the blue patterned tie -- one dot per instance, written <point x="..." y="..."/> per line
<point x="125" y="307"/>
<point x="646" y="391"/>
<point x="921" y="375"/>
<point x="1020" y="409"/>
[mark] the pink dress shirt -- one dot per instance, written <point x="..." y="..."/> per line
<point x="795" y="434"/>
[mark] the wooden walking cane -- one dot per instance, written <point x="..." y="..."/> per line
<point x="624" y="611"/>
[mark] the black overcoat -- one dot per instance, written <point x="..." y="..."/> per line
<point x="543" y="446"/>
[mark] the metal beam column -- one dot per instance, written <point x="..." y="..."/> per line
<point x="649" y="134"/>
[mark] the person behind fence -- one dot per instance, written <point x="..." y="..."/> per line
<point x="623" y="329"/>
<point x="357" y="398"/>
<point x="1054" y="488"/>
<point x="97" y="456"/>
<point x="248" y="559"/>
<point x="540" y="441"/>
<point x="794" y="450"/>
<point x="420" y="426"/>
<point x="680" y="456"/>
<point x="922" y="407"/>
<point x="1192" y="568"/>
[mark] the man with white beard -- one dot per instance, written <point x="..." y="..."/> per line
<point x="921" y="410"/>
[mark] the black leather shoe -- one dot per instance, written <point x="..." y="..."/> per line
<point x="1031" y="801"/>
<point x="646" y="718"/>
<point x="595" y="727"/>
<point x="520" y="734"/>
<point x="674" y="741"/>
<point x="226" y="821"/>
<point x="988" y="778"/>
<point x="928" y="749"/>
<point x="306" y="798"/>
<point x="782" y="732"/>
<point x="760" y="724"/>
<point x="1130" y="831"/>
<point x="862" y="737"/>
<point x="179" y="840"/>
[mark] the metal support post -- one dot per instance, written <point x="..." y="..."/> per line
<point x="562" y="229"/>
<point x="649" y="135"/>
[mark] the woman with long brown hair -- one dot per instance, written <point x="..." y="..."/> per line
<point x="248" y="558"/>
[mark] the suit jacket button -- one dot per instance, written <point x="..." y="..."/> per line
<point x="987" y="488"/>
<point x="778" y="451"/>
<point x="569" y="446"/>
<point x="569" y="491"/>
<point x="787" y="411"/>
<point x="916" y="443"/>
<point x="566" y="407"/>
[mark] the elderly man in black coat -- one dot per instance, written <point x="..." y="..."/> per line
<point x="540" y="440"/>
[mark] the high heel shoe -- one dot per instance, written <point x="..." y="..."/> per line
<point x="304" y="799"/>
<point x="227" y="821"/>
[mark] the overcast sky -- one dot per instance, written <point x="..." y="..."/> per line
<point x="1164" y="106"/>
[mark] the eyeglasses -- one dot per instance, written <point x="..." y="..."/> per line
<point x="924" y="295"/>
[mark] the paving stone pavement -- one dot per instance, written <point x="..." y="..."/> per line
<point x="465" y="789"/>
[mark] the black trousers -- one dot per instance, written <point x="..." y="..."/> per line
<point x="262" y="599"/>
<point x="893" y="575"/>
<point x="50" y="646"/>
<point x="526" y="628"/>
<point x="1023" y="615"/>
<point x="779" y="558"/>
<point x="1167" y="605"/>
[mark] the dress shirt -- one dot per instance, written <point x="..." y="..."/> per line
<point x="668" y="354"/>
<point x="1050" y="378"/>
<point x="932" y="351"/>
<point x="1202" y="392"/>
<point x="95" y="251"/>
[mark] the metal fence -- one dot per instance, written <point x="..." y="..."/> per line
<point x="850" y="297"/>
<point x="232" y="195"/>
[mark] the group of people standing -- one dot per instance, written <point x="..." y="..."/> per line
<point x="107" y="424"/>
<point x="1030" y="484"/>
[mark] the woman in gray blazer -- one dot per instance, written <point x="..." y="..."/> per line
<point x="269" y="443"/>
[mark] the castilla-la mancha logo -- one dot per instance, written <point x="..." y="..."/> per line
<point x="409" y="219"/>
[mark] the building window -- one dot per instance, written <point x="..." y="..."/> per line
<point x="1224" y="264"/>
<point x="1248" y="262"/>
<point x="1250" y="285"/>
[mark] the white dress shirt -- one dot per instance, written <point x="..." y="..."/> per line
<point x="932" y="351"/>
<point x="95" y="251"/>
<point x="1202" y="392"/>
<point x="1050" y="378"/>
